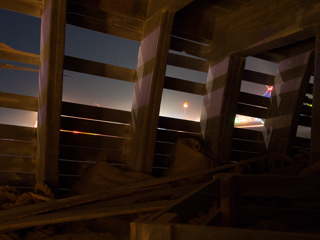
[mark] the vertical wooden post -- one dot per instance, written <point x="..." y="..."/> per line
<point x="50" y="90"/>
<point x="220" y="105"/>
<point x="315" y="127"/>
<point x="291" y="82"/>
<point x="148" y="88"/>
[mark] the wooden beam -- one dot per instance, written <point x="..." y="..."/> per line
<point x="315" y="128"/>
<point x="50" y="90"/>
<point x="29" y="7"/>
<point x="189" y="47"/>
<point x="152" y="61"/>
<point x="220" y="104"/>
<point x="290" y="87"/>
<point x="105" y="22"/>
<point x="175" y="5"/>
<point x="244" y="30"/>
<point x="21" y="102"/>
<point x="99" y="69"/>
<point x="10" y="54"/>
<point x="128" y="8"/>
<point x="14" y="67"/>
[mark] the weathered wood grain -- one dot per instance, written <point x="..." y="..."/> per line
<point x="175" y="5"/>
<point x="98" y="69"/>
<point x="10" y="54"/>
<point x="14" y="67"/>
<point x="16" y="101"/>
<point x="53" y="23"/>
<point x="97" y="113"/>
<point x="18" y="132"/>
<point x="33" y="8"/>
<point x="148" y="88"/>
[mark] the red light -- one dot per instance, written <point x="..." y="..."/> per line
<point x="269" y="88"/>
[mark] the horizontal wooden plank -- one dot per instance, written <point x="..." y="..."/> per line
<point x="247" y="134"/>
<point x="32" y="8"/>
<point x="251" y="111"/>
<point x="17" y="164"/>
<point x="252" y="99"/>
<point x="99" y="69"/>
<point x="189" y="47"/>
<point x="98" y="113"/>
<point x="15" y="67"/>
<point x="187" y="62"/>
<point x="105" y="22"/>
<point x="91" y="154"/>
<point x="18" y="148"/>
<point x="10" y="54"/>
<point x="16" y="101"/>
<point x="257" y="77"/>
<point x="84" y="140"/>
<point x="18" y="132"/>
<point x="17" y="179"/>
<point x="179" y="124"/>
<point x="173" y="136"/>
<point x="96" y="127"/>
<point x="305" y="121"/>
<point x="248" y="146"/>
<point x="184" y="86"/>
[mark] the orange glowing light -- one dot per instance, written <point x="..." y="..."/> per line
<point x="269" y="88"/>
<point x="185" y="105"/>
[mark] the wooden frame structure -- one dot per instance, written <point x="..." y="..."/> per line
<point x="217" y="36"/>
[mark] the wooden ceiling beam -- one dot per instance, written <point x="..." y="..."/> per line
<point x="10" y="54"/>
<point x="261" y="26"/>
<point x="172" y="5"/>
<point x="29" y="7"/>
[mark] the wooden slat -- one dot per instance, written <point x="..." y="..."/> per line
<point x="18" y="148"/>
<point x="255" y="100"/>
<point x="257" y="77"/>
<point x="18" y="132"/>
<point x="252" y="135"/>
<point x="247" y="146"/>
<point x="105" y="22"/>
<point x="10" y="54"/>
<point x="91" y="112"/>
<point x="179" y="124"/>
<point x="90" y="154"/>
<point x="87" y="126"/>
<point x="234" y="35"/>
<point x="189" y="47"/>
<point x="17" y="179"/>
<point x="184" y="86"/>
<point x="32" y="8"/>
<point x="10" y="100"/>
<point x="148" y="89"/>
<point x="98" y="69"/>
<point x="14" y="67"/>
<point x="53" y="23"/>
<point x="17" y="164"/>
<point x="127" y="8"/>
<point x="84" y="140"/>
<point x="173" y="5"/>
<point x="251" y="111"/>
<point x="187" y="62"/>
<point x="173" y="136"/>
<point x="192" y="24"/>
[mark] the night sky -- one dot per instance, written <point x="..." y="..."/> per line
<point x="22" y="32"/>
